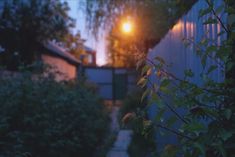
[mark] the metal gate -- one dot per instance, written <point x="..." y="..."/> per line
<point x="113" y="83"/>
<point x="120" y="86"/>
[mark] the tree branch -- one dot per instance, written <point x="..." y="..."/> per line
<point x="168" y="106"/>
<point x="217" y="17"/>
<point x="174" y="132"/>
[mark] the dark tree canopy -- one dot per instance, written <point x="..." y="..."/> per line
<point x="25" y="25"/>
<point x="73" y="43"/>
<point x="152" y="19"/>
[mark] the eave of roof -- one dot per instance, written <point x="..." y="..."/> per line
<point x="89" y="50"/>
<point x="60" y="52"/>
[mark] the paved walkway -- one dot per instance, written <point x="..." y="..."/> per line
<point x="123" y="140"/>
<point x="114" y="117"/>
<point x="121" y="144"/>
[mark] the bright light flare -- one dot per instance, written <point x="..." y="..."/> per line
<point x="127" y="27"/>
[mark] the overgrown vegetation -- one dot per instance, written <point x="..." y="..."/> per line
<point x="132" y="117"/>
<point x="40" y="117"/>
<point x="131" y="103"/>
<point x="151" y="20"/>
<point x="26" y="25"/>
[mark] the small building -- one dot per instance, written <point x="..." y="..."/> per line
<point x="89" y="58"/>
<point x="63" y="64"/>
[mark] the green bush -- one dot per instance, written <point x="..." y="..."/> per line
<point x="43" y="118"/>
<point x="133" y="117"/>
<point x="132" y="103"/>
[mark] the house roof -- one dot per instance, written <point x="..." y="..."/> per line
<point x="89" y="50"/>
<point x="60" y="52"/>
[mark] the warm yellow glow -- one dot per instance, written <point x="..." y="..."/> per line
<point x="127" y="27"/>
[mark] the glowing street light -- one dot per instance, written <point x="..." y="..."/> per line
<point x="127" y="27"/>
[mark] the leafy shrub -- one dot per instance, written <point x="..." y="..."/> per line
<point x="131" y="103"/>
<point x="43" y="118"/>
<point x="133" y="117"/>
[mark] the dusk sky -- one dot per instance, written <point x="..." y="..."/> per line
<point x="78" y="14"/>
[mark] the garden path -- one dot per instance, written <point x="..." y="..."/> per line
<point x="123" y="139"/>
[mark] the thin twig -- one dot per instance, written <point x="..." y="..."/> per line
<point x="173" y="131"/>
<point x="171" y="108"/>
<point x="216" y="91"/>
<point x="217" y="17"/>
<point x="221" y="65"/>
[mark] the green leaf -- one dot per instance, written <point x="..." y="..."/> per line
<point x="145" y="69"/>
<point x="211" y="69"/>
<point x="204" y="12"/>
<point x="229" y="66"/>
<point x="154" y="97"/>
<point x="203" y="61"/>
<point x="211" y="49"/>
<point x="171" y="121"/>
<point x="145" y="94"/>
<point x="222" y="151"/>
<point x="204" y="42"/>
<point x="157" y="101"/>
<point x="165" y="82"/>
<point x="228" y="113"/>
<point x="161" y="60"/>
<point x="219" y="9"/>
<point x="225" y="135"/>
<point x="230" y="10"/>
<point x="162" y="133"/>
<point x="160" y="103"/>
<point x="188" y="73"/>
<point x="200" y="147"/>
<point x="170" y="151"/>
<point x="159" y="115"/>
<point x="231" y="19"/>
<point x="210" y="111"/>
<point x="195" y="127"/>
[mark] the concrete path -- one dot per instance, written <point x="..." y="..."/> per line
<point x="123" y="140"/>
<point x="114" y="117"/>
<point x="120" y="147"/>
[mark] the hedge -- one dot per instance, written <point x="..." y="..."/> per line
<point x="40" y="117"/>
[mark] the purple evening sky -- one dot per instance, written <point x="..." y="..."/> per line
<point x="78" y="14"/>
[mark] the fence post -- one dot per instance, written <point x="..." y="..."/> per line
<point x="113" y="85"/>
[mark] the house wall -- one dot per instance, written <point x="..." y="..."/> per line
<point x="173" y="50"/>
<point x="62" y="69"/>
<point x="92" y="58"/>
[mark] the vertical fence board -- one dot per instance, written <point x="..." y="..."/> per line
<point x="172" y="49"/>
